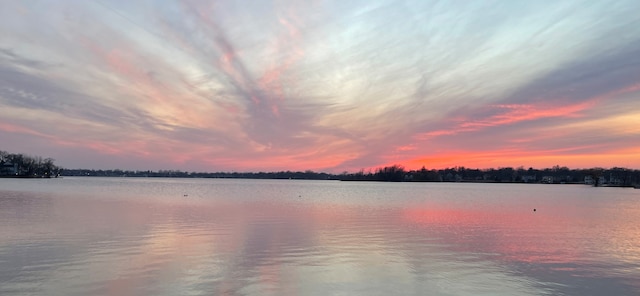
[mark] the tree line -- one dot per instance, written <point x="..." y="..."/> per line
<point x="397" y="173"/>
<point x="555" y="175"/>
<point x="309" y="175"/>
<point x="20" y="165"/>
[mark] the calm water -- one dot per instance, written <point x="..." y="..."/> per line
<point x="135" y="236"/>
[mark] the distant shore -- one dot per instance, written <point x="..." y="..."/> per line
<point x="598" y="177"/>
<point x="23" y="166"/>
<point x="309" y="176"/>
<point x="28" y="177"/>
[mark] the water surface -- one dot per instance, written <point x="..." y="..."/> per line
<point x="148" y="236"/>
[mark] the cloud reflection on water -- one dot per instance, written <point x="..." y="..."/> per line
<point x="307" y="245"/>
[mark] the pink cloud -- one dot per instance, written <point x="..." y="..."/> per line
<point x="511" y="114"/>
<point x="406" y="148"/>
<point x="508" y="114"/>
<point x="11" y="128"/>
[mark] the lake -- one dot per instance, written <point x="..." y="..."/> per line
<point x="148" y="236"/>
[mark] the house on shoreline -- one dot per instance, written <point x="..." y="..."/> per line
<point x="8" y="169"/>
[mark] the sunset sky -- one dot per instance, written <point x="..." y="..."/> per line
<point x="321" y="85"/>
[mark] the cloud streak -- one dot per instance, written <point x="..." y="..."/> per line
<point x="322" y="85"/>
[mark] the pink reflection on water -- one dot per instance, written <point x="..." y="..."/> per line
<point x="513" y="236"/>
<point x="277" y="246"/>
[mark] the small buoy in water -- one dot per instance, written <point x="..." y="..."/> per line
<point x="534" y="210"/>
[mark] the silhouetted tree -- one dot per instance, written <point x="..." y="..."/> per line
<point x="27" y="166"/>
<point x="393" y="173"/>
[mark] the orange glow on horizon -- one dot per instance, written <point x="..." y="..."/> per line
<point x="628" y="157"/>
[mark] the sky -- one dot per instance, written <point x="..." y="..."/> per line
<point x="321" y="85"/>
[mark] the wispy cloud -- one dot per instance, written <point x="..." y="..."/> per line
<point x="322" y="85"/>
